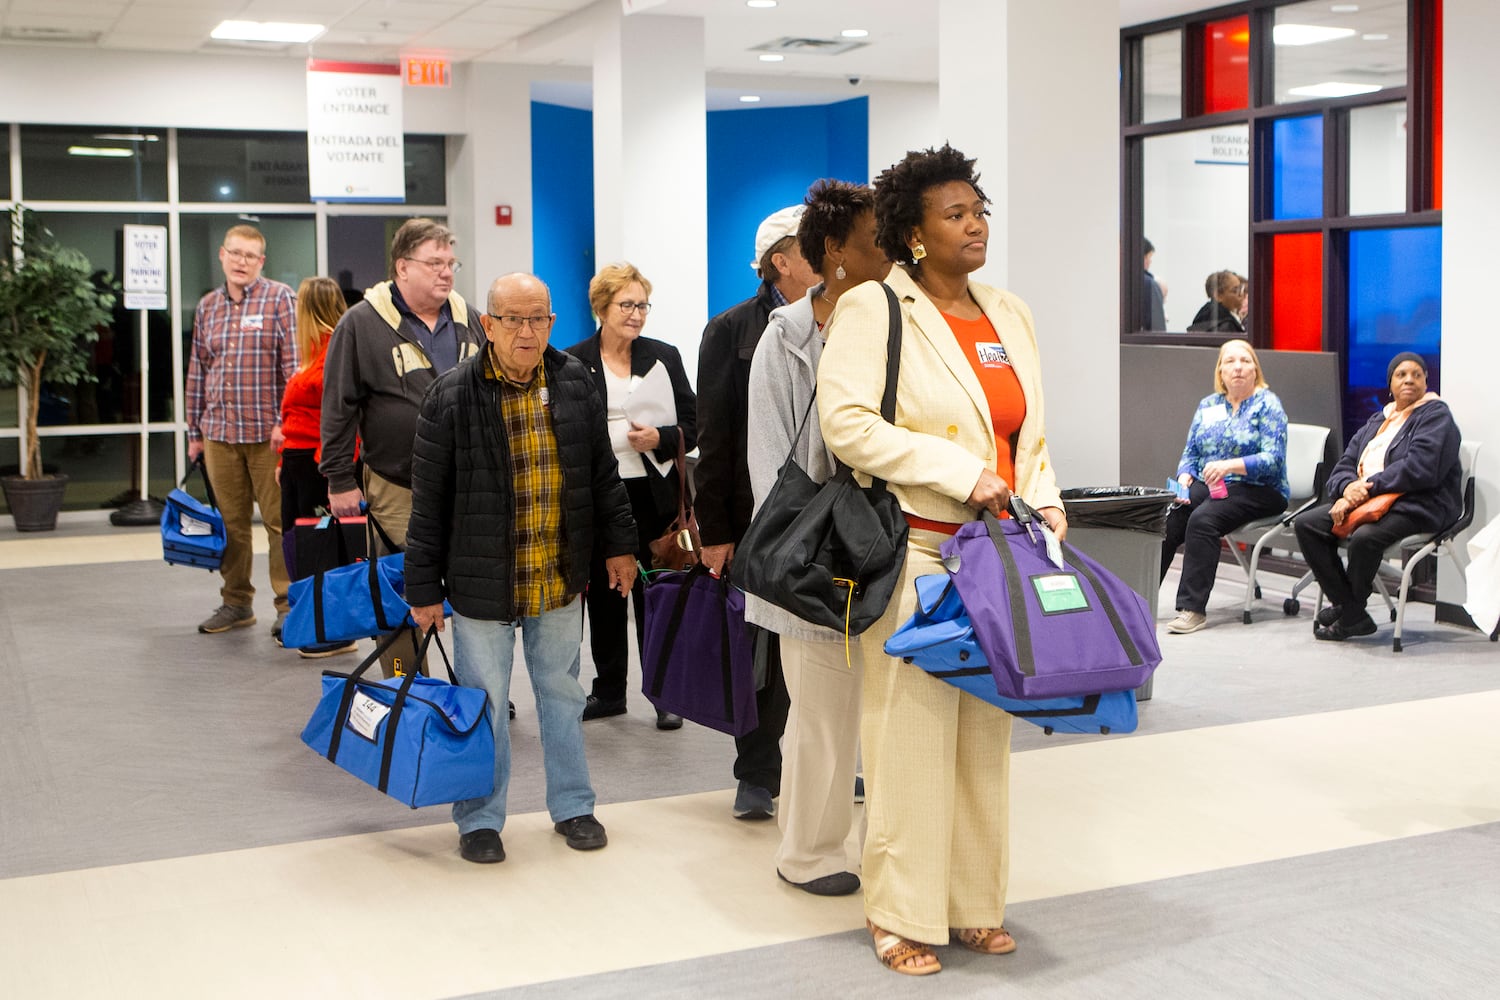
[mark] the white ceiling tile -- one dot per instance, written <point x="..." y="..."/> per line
<point x="154" y="42"/>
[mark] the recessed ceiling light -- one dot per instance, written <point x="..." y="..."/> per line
<point x="760" y="4"/>
<point x="266" y="31"/>
<point x="1344" y="8"/>
<point x="1333" y="89"/>
<point x="113" y="151"/>
<point x="749" y="98"/>
<point x="127" y="136"/>
<point x="771" y="57"/>
<point x="1307" y="34"/>
<point x="1376" y="36"/>
<point x="855" y="33"/>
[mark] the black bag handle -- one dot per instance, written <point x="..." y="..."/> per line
<point x="888" y="397"/>
<point x="393" y="719"/>
<point x="372" y="573"/>
<point x="201" y="467"/>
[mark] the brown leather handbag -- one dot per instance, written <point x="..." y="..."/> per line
<point x="1368" y="512"/>
<point x="679" y="547"/>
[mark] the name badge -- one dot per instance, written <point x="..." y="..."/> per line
<point x="252" y="323"/>
<point x="1216" y="414"/>
<point x="992" y="355"/>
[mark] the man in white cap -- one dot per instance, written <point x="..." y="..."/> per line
<point x="722" y="478"/>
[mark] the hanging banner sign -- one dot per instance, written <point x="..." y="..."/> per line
<point x="354" y="139"/>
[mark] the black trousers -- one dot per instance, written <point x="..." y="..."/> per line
<point x="1197" y="528"/>
<point x="1349" y="586"/>
<point x="303" y="488"/>
<point x="606" y="608"/>
<point x="758" y="753"/>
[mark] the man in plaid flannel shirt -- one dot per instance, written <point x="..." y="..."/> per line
<point x="244" y="350"/>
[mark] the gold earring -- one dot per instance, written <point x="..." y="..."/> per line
<point x="918" y="251"/>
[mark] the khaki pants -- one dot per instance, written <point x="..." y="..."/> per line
<point x="242" y="476"/>
<point x="820" y="751"/>
<point x="390" y="504"/>
<point x="937" y="786"/>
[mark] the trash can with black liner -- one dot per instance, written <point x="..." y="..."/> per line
<point x="1122" y="527"/>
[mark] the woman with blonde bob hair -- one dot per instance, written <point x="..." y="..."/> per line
<point x="320" y="304"/>
<point x="619" y="357"/>
<point x="1234" y="469"/>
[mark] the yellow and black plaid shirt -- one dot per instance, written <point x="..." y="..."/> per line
<point x="537" y="484"/>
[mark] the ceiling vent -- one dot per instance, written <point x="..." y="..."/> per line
<point x="68" y="36"/>
<point x="810" y="46"/>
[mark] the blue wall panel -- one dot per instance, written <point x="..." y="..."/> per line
<point x="759" y="161"/>
<point x="1395" y="304"/>
<point x="1297" y="168"/>
<point x="562" y="216"/>
<point x="763" y="160"/>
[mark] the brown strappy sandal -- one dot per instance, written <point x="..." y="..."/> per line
<point x="984" y="939"/>
<point x="895" y="952"/>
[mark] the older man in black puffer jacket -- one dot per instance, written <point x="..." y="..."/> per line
<point x="512" y="479"/>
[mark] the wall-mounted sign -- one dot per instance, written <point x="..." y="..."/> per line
<point x="420" y="71"/>
<point x="1228" y="145"/>
<point x="354" y="136"/>
<point x="145" y="267"/>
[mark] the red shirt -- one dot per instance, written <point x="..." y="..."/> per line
<point x="1002" y="390"/>
<point x="302" y="404"/>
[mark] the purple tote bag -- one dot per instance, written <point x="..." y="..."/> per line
<point x="697" y="660"/>
<point x="1048" y="632"/>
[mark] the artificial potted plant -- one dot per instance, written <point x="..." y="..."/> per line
<point x="50" y="312"/>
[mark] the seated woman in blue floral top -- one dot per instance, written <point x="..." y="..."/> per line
<point x="1237" y="441"/>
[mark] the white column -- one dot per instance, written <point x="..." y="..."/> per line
<point x="650" y="165"/>
<point x="1032" y="91"/>
<point x="1471" y="217"/>
<point x="488" y="166"/>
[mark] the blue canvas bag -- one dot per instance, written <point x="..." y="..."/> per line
<point x="363" y="599"/>
<point x="192" y="533"/>
<point x="939" y="638"/>
<point x="1048" y="630"/>
<point x="420" y="740"/>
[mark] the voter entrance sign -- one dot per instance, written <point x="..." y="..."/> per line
<point x="145" y="267"/>
<point x="354" y="137"/>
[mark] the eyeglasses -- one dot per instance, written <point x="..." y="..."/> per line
<point x="243" y="256"/>
<point x="439" y="266"/>
<point x="514" y="323"/>
<point x="629" y="307"/>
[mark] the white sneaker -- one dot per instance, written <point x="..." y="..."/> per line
<point x="1187" y="621"/>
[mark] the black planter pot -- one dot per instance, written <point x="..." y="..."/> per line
<point x="34" y="503"/>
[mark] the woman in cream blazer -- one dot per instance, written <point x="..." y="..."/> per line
<point x="936" y="760"/>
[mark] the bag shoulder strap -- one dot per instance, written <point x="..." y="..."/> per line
<point x="201" y="468"/>
<point x="892" y="372"/>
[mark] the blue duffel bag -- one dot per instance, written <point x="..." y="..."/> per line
<point x="939" y="638"/>
<point x="357" y="601"/>
<point x="418" y="739"/>
<point x="192" y="533"/>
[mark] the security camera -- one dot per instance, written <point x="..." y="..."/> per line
<point x="854" y="81"/>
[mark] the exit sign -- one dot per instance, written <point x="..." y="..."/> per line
<point x="427" y="72"/>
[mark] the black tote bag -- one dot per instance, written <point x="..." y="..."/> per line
<point x="829" y="554"/>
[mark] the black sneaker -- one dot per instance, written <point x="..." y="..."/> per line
<point x="483" y="847"/>
<point x="584" y="833"/>
<point x="598" y="708"/>
<point x="753" y="802"/>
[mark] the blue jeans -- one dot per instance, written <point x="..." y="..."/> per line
<point x="484" y="652"/>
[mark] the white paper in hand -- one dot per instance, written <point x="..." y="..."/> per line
<point x="651" y="402"/>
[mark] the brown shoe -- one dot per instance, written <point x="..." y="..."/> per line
<point x="900" y="955"/>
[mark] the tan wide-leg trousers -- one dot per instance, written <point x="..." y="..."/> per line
<point x="937" y="771"/>
<point x="819" y="753"/>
